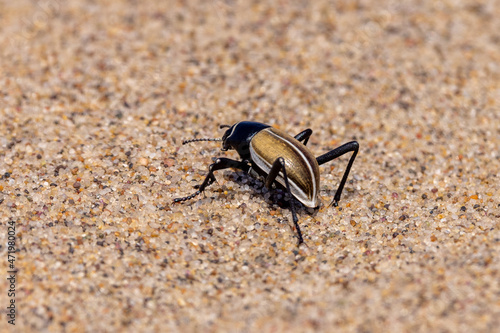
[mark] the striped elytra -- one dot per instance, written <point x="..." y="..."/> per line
<point x="301" y="166"/>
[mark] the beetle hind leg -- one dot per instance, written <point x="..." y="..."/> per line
<point x="219" y="164"/>
<point x="210" y="182"/>
<point x="353" y="147"/>
<point x="304" y="136"/>
<point x="279" y="165"/>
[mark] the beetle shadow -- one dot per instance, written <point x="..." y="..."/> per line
<point x="277" y="194"/>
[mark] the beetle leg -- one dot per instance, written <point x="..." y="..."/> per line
<point x="219" y="164"/>
<point x="304" y="135"/>
<point x="279" y="165"/>
<point x="331" y="155"/>
<point x="210" y="182"/>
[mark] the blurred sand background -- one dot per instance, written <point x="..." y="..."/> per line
<point x="97" y="96"/>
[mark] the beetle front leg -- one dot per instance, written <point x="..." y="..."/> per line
<point x="337" y="152"/>
<point x="279" y="165"/>
<point x="219" y="164"/>
<point x="304" y="135"/>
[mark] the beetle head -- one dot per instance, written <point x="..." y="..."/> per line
<point x="239" y="135"/>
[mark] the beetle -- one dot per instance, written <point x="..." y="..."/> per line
<point x="279" y="158"/>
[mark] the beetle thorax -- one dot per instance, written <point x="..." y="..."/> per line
<point x="239" y="135"/>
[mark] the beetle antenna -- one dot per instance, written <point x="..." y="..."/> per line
<point x="204" y="139"/>
<point x="224" y="126"/>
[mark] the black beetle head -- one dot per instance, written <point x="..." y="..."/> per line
<point x="239" y="135"/>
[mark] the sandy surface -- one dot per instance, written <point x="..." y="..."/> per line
<point x="97" y="96"/>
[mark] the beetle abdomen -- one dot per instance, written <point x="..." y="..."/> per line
<point x="301" y="166"/>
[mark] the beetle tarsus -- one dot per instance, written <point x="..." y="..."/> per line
<point x="187" y="198"/>
<point x="296" y="222"/>
<point x="219" y="164"/>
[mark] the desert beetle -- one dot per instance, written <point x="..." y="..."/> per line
<point x="277" y="157"/>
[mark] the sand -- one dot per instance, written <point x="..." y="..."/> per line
<point x="97" y="96"/>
